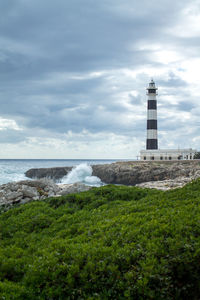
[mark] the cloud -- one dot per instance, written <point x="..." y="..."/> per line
<point x="68" y="67"/>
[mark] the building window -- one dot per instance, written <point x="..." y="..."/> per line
<point x="152" y="91"/>
<point x="161" y="158"/>
<point x="179" y="157"/>
<point x="170" y="158"/>
<point x="145" y="158"/>
<point x="152" y="157"/>
<point x="165" y="157"/>
<point x="190" y="156"/>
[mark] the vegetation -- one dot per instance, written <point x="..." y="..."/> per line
<point x="197" y="155"/>
<point x="113" y="242"/>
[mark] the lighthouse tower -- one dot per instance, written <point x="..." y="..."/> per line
<point x="152" y="140"/>
<point x="152" y="152"/>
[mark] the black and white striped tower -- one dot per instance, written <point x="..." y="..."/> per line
<point x="152" y="139"/>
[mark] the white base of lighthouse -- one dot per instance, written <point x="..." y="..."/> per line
<point x="167" y="154"/>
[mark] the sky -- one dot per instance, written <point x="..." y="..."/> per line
<point x="73" y="76"/>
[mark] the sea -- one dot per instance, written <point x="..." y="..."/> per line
<point x="14" y="169"/>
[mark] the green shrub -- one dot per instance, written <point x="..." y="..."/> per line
<point x="113" y="242"/>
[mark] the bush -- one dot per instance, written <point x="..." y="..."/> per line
<point x="113" y="242"/>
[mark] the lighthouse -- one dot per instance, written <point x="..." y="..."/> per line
<point x="152" y="139"/>
<point x="152" y="152"/>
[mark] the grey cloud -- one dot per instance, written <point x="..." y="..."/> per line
<point x="82" y="37"/>
<point x="136" y="100"/>
<point x="11" y="136"/>
<point x="185" y="106"/>
<point x="44" y="38"/>
<point x="173" y="81"/>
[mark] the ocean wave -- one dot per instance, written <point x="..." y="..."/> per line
<point x="10" y="175"/>
<point x="82" y="173"/>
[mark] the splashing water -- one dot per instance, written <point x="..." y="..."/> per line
<point x="82" y="173"/>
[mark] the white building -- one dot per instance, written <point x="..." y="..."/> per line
<point x="167" y="154"/>
<point x="152" y="152"/>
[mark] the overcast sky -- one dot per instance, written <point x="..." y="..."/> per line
<point x="73" y="75"/>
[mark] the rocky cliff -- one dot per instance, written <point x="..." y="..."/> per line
<point x="129" y="173"/>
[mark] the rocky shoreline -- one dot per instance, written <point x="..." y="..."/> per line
<point x="128" y="173"/>
<point x="158" y="175"/>
<point x="28" y="190"/>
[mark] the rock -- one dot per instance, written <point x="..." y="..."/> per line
<point x="159" y="175"/>
<point x="132" y="173"/>
<point x="13" y="187"/>
<point x="12" y="196"/>
<point x="129" y="173"/>
<point x="73" y="188"/>
<point x="51" y="173"/>
<point x="28" y="190"/>
<point x="166" y="184"/>
<point x="44" y="183"/>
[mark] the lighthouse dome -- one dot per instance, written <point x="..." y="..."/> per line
<point x="152" y="87"/>
<point x="152" y="83"/>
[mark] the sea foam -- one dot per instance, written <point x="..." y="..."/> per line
<point x="82" y="173"/>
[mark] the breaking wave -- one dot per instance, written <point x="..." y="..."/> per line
<point x="82" y="173"/>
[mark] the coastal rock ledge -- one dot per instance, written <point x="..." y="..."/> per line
<point x="159" y="175"/>
<point x="129" y="173"/>
<point x="25" y="191"/>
